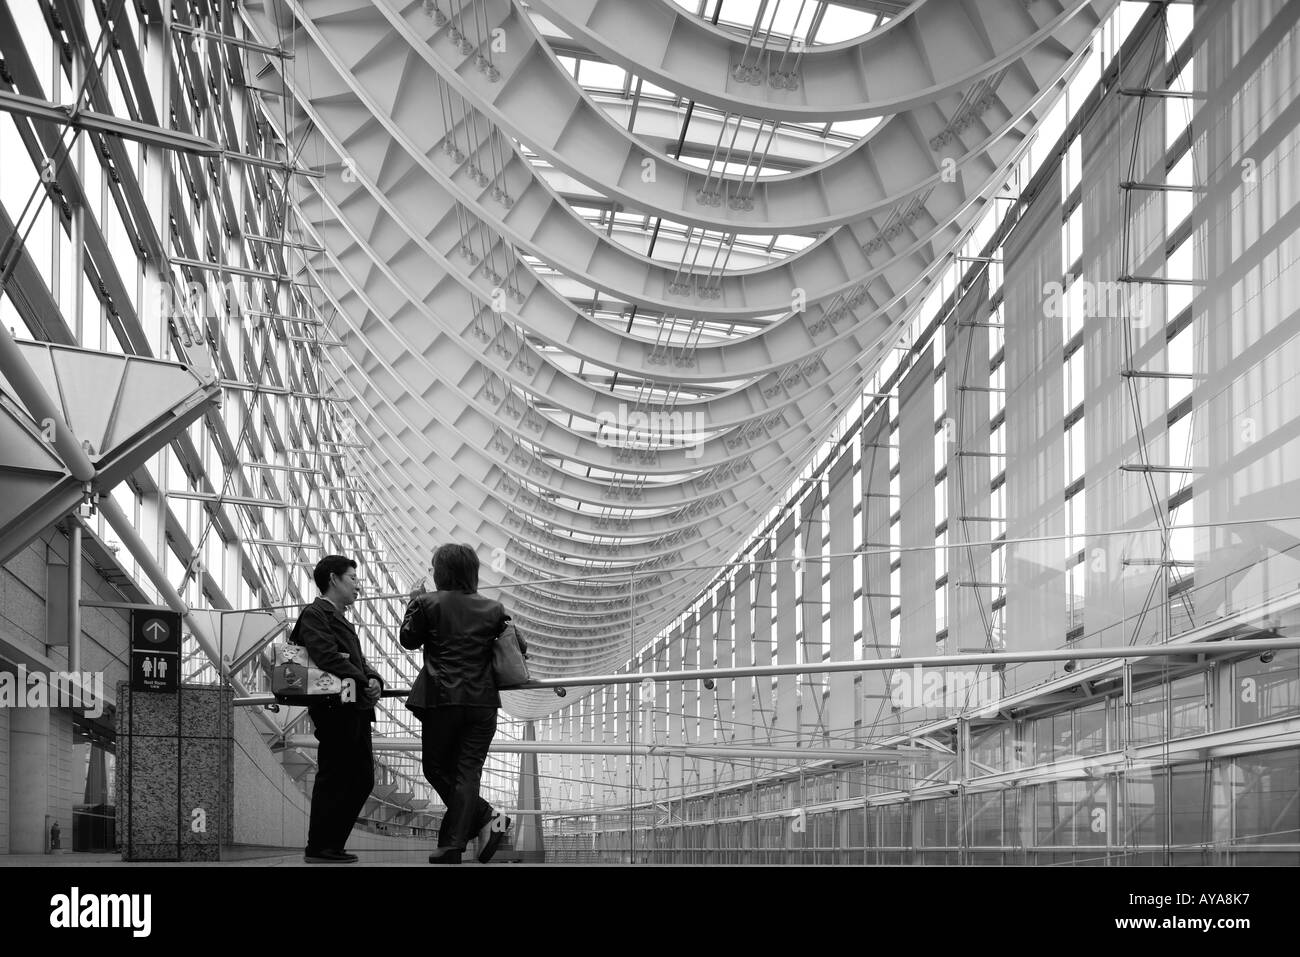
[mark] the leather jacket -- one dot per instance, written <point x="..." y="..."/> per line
<point x="457" y="631"/>
<point x="333" y="646"/>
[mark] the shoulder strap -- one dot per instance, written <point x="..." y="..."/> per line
<point x="293" y="634"/>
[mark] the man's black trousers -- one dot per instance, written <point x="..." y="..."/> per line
<point x="345" y="775"/>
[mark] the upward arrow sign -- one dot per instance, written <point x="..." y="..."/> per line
<point x="155" y="630"/>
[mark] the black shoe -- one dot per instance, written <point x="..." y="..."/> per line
<point x="329" y="857"/>
<point x="445" y="855"/>
<point x="493" y="841"/>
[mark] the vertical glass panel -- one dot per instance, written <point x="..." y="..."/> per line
<point x="1148" y="715"/>
<point x="1191" y="808"/>
<point x="1090" y="729"/>
<point x="985" y="819"/>
<point x="1189" y="713"/>
<point x="1143" y="811"/>
<point x="988" y="751"/>
<point x="1265" y="791"/>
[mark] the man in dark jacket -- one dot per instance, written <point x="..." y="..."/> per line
<point x="455" y="696"/>
<point x="345" y="770"/>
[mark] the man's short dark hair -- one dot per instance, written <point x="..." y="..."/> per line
<point x="455" y="568"/>
<point x="328" y="566"/>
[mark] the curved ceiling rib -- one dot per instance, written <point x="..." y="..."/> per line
<point x="433" y="402"/>
<point x="587" y="608"/>
<point x="472" y="524"/>
<point x="555" y="320"/>
<point x="558" y="322"/>
<point x="594" y="258"/>
<point x="483" y="380"/>
<point x="902" y="155"/>
<point x="753" y="353"/>
<point x="568" y="598"/>
<point x="456" y="362"/>
<point x="447" y="482"/>
<point x="691" y="464"/>
<point x="745" y="409"/>
<point x="434" y="395"/>
<point x="932" y="48"/>
<point x="400" y="466"/>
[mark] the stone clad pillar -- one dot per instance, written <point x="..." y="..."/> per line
<point x="174" y="773"/>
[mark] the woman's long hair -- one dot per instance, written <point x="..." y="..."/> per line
<point x="455" y="568"/>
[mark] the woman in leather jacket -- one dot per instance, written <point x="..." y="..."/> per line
<point x="455" y="696"/>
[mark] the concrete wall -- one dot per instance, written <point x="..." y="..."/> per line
<point x="22" y="598"/>
<point x="104" y="632"/>
<point x="65" y="775"/>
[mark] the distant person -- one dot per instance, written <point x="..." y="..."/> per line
<point x="345" y="769"/>
<point x="455" y="696"/>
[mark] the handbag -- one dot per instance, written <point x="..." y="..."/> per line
<point x="509" y="651"/>
<point x="295" y="679"/>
